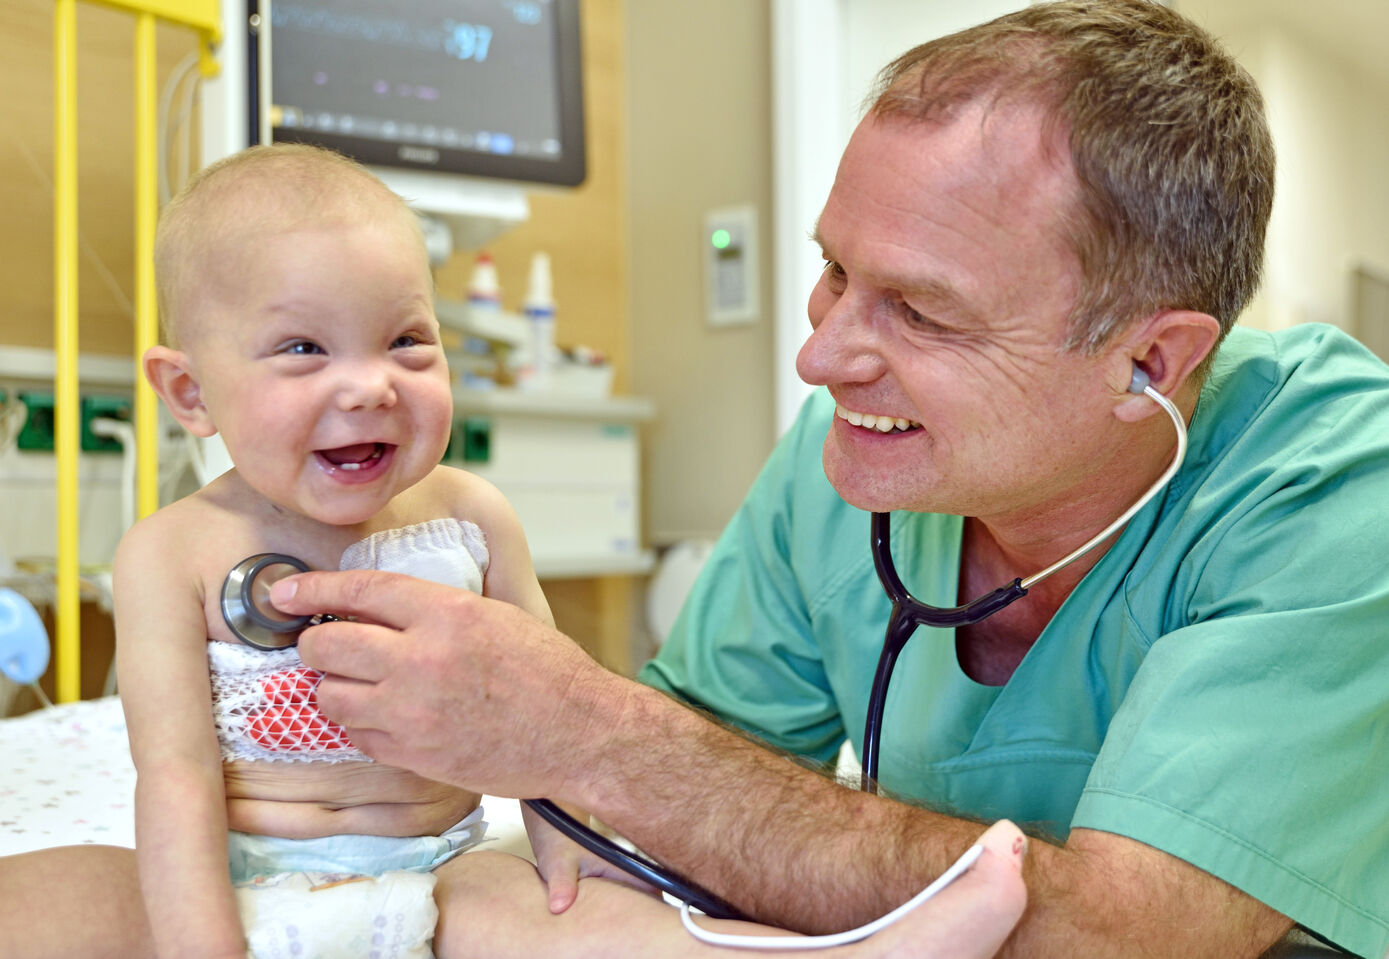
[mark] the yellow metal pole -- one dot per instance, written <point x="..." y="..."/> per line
<point x="67" y="615"/>
<point x="146" y="313"/>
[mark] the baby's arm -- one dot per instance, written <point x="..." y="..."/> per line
<point x="180" y="805"/>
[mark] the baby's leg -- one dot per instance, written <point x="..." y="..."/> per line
<point x="495" y="905"/>
<point x="72" y="901"/>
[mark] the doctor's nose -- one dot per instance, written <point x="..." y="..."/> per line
<point x="843" y="346"/>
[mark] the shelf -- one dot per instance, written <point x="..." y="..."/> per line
<point x="625" y="409"/>
<point x="583" y="567"/>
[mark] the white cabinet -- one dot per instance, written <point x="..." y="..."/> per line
<point x="571" y="467"/>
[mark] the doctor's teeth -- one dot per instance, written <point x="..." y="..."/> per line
<point x="872" y="421"/>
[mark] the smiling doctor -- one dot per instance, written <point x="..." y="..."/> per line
<point x="1194" y="715"/>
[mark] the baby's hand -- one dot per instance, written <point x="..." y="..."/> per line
<point x="562" y="863"/>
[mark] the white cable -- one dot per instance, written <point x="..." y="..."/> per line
<point x="834" y="939"/>
<point x="1128" y="514"/>
<point x="123" y="433"/>
<point x="165" y="112"/>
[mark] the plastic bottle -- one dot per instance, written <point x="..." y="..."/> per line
<point x="539" y="309"/>
<point x="484" y="291"/>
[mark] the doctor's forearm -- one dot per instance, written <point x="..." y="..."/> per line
<point x="778" y="841"/>
<point x="794" y="849"/>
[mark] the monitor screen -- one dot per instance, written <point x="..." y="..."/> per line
<point x="488" y="88"/>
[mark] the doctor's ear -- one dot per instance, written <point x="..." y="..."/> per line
<point x="1168" y="349"/>
<point x="169" y="373"/>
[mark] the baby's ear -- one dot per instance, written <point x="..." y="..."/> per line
<point x="171" y="376"/>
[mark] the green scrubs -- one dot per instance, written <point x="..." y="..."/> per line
<point x="1217" y="686"/>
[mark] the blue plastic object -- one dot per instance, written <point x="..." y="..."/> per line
<point x="23" y="640"/>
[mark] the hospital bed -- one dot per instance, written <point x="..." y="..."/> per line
<point x="68" y="780"/>
<point x="68" y="777"/>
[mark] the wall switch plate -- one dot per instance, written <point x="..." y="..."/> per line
<point x="732" y="291"/>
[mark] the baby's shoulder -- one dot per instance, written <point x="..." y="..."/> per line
<point x="449" y="491"/>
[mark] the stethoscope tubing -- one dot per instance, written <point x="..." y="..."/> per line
<point x="633" y="863"/>
<point x="908" y="612"/>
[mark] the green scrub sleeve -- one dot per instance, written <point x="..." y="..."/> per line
<point x="1254" y="741"/>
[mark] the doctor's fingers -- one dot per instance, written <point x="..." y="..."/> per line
<point x="388" y="598"/>
<point x="359" y="651"/>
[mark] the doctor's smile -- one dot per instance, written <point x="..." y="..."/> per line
<point x="883" y="423"/>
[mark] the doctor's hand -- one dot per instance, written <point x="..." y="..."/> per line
<point x="454" y="686"/>
<point x="562" y="862"/>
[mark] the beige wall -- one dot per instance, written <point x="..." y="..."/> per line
<point x="106" y="184"/>
<point x="1331" y="132"/>
<point x="699" y="132"/>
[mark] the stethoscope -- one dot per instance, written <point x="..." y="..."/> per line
<point x="908" y="612"/>
<point x="250" y="616"/>
<point x="248" y="613"/>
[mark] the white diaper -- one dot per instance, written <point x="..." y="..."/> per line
<point x="303" y="915"/>
<point x="358" y="897"/>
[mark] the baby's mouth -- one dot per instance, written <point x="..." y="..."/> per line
<point x="358" y="456"/>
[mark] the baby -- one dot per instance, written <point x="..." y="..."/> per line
<point x="298" y="308"/>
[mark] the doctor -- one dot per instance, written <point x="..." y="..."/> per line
<point x="1194" y="715"/>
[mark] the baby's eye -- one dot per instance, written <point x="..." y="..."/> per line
<point x="405" y="341"/>
<point x="303" y="348"/>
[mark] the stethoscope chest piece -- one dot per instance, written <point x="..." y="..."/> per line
<point x="246" y="603"/>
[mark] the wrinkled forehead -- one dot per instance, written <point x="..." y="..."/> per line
<point x="977" y="202"/>
<point x="1008" y="146"/>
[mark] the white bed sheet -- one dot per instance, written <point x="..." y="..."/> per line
<point x="67" y="779"/>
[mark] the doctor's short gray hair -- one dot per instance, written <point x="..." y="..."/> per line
<point x="1167" y="138"/>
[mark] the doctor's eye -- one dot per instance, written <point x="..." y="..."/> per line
<point x="834" y="275"/>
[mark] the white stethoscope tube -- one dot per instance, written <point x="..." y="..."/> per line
<point x="837" y="938"/>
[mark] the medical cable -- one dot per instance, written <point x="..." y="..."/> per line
<point x="732" y="940"/>
<point x="908" y="612"/>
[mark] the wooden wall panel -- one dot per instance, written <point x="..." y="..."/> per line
<point x="106" y="177"/>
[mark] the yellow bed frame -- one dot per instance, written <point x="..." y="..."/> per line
<point x="203" y="16"/>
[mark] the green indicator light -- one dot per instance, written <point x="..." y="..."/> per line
<point x="720" y="239"/>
